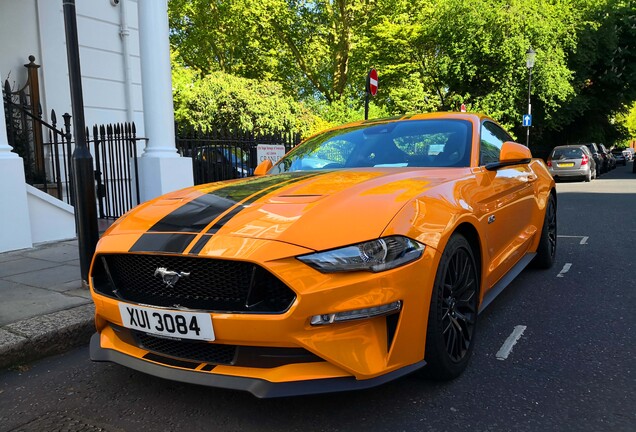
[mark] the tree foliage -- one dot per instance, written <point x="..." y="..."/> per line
<point x="431" y="55"/>
<point x="224" y="101"/>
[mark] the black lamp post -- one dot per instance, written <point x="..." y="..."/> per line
<point x="82" y="171"/>
<point x="530" y="56"/>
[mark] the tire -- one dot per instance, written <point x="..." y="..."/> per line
<point x="546" y="252"/>
<point x="452" y="317"/>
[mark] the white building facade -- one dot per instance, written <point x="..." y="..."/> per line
<point x="125" y="63"/>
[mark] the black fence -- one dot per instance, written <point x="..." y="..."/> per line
<point x="23" y="114"/>
<point x="223" y="155"/>
<point x="48" y="159"/>
<point x="46" y="149"/>
<point x="115" y="147"/>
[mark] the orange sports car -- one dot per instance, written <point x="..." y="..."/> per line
<point x="365" y="254"/>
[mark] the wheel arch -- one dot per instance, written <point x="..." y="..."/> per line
<point x="471" y="234"/>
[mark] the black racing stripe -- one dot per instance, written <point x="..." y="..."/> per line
<point x="221" y="222"/>
<point x="198" y="246"/>
<point x="170" y="361"/>
<point x="195" y="215"/>
<point x="162" y="242"/>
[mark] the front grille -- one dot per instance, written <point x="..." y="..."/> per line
<point x="212" y="284"/>
<point x="183" y="352"/>
<point x="190" y="350"/>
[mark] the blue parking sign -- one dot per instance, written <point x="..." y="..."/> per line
<point x="527" y="120"/>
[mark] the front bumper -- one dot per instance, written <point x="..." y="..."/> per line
<point x="347" y="355"/>
<point x="258" y="387"/>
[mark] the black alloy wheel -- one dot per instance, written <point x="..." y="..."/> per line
<point x="453" y="312"/>
<point x="546" y="252"/>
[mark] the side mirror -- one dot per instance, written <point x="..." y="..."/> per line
<point x="511" y="153"/>
<point x="263" y="167"/>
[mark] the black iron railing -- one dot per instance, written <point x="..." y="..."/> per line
<point x="223" y="154"/>
<point x="116" y="175"/>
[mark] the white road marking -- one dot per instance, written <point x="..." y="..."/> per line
<point x="565" y="269"/>
<point x="506" y="348"/>
<point x="583" y="238"/>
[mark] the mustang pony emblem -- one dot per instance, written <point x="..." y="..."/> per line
<point x="170" y="278"/>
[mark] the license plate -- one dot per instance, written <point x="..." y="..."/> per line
<point x="566" y="165"/>
<point x="163" y="322"/>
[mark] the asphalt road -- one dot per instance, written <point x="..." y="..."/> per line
<point x="573" y="367"/>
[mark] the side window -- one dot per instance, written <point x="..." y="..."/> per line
<point x="492" y="138"/>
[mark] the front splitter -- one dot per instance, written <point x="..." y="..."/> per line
<point x="258" y="387"/>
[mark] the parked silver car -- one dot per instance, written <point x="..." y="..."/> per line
<point x="620" y="157"/>
<point x="572" y="161"/>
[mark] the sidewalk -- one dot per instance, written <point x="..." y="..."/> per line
<point x="43" y="308"/>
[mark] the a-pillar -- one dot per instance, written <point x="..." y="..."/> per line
<point x="14" y="210"/>
<point x="161" y="168"/>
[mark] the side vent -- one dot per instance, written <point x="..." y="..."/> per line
<point x="391" y="327"/>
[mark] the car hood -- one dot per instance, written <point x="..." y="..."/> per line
<point x="315" y="209"/>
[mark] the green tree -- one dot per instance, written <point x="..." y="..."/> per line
<point x="628" y="121"/>
<point x="431" y="55"/>
<point x="224" y="101"/>
<point x="604" y="74"/>
<point x="217" y="35"/>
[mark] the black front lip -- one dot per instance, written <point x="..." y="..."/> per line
<point x="258" y="387"/>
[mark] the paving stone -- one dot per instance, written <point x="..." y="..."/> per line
<point x="20" y="302"/>
<point x="49" y="277"/>
<point x="23" y="265"/>
<point x="45" y="335"/>
<point x="7" y="285"/>
<point x="80" y="292"/>
<point x="59" y="252"/>
<point x="68" y="287"/>
<point x="53" y="323"/>
<point x="9" y="256"/>
<point x="8" y="340"/>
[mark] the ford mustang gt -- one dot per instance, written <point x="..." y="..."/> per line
<point x="363" y="255"/>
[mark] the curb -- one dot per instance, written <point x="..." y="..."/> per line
<point x="32" y="339"/>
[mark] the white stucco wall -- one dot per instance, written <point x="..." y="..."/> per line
<point x="19" y="38"/>
<point x="36" y="27"/>
<point x="50" y="218"/>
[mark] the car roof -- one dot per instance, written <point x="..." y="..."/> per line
<point x="569" y="146"/>
<point x="443" y="115"/>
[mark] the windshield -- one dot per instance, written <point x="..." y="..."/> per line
<point x="567" y="153"/>
<point x="413" y="143"/>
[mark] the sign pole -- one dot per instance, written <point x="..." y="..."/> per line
<point x="529" y="105"/>
<point x="371" y="89"/>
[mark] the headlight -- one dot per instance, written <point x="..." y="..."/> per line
<point x="374" y="256"/>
